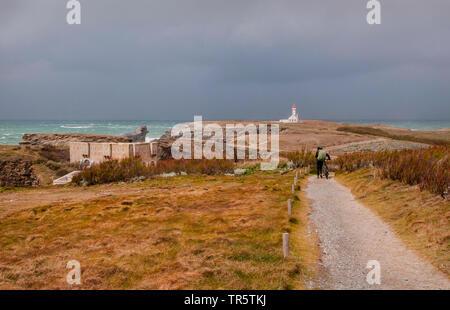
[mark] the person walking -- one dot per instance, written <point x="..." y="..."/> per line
<point x="321" y="156"/>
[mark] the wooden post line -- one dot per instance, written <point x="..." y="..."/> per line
<point x="293" y="189"/>
<point x="285" y="245"/>
<point x="289" y="206"/>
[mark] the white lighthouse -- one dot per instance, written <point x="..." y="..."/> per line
<point x="293" y="118"/>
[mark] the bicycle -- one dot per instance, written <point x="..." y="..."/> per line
<point x="325" y="169"/>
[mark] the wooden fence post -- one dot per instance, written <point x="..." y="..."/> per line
<point x="289" y="206"/>
<point x="285" y="245"/>
<point x="293" y="189"/>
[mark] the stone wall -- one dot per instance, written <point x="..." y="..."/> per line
<point x="17" y="173"/>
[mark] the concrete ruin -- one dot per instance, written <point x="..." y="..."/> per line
<point x="66" y="178"/>
<point x="99" y="152"/>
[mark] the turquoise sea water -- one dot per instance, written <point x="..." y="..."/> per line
<point x="11" y="132"/>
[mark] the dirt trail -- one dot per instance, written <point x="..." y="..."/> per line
<point x="351" y="235"/>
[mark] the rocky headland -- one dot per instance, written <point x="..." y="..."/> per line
<point x="64" y="139"/>
<point x="137" y="136"/>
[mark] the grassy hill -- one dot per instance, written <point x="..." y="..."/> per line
<point x="185" y="232"/>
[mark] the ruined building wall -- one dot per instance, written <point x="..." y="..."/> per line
<point x="77" y="150"/>
<point x="122" y="150"/>
<point x="143" y="150"/>
<point x="99" y="152"/>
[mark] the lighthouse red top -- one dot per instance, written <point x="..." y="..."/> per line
<point x="293" y="106"/>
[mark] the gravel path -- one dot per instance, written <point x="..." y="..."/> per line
<point x="351" y="235"/>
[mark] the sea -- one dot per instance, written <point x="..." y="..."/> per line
<point x="11" y="131"/>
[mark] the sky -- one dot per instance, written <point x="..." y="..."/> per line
<point x="233" y="59"/>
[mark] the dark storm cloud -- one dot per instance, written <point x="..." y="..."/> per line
<point x="224" y="60"/>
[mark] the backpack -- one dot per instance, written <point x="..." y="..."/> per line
<point x="322" y="155"/>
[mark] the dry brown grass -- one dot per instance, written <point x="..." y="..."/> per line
<point x="420" y="218"/>
<point x="130" y="168"/>
<point x="186" y="232"/>
<point x="427" y="167"/>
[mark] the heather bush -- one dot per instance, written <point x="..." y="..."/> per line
<point x="133" y="168"/>
<point x="53" y="153"/>
<point x="428" y="167"/>
<point x="194" y="166"/>
<point x="300" y="158"/>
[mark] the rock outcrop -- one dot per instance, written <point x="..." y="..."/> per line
<point x="17" y="173"/>
<point x="137" y="136"/>
<point x="59" y="139"/>
<point x="166" y="140"/>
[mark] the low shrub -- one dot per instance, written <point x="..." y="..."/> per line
<point x="301" y="158"/>
<point x="194" y="166"/>
<point x="61" y="172"/>
<point x="428" y="167"/>
<point x="53" y="165"/>
<point x="56" y="154"/>
<point x="134" y="168"/>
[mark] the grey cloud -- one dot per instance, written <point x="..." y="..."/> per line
<point x="224" y="59"/>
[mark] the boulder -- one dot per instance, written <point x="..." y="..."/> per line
<point x="137" y="136"/>
<point x="168" y="175"/>
<point x="166" y="140"/>
<point x="165" y="146"/>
